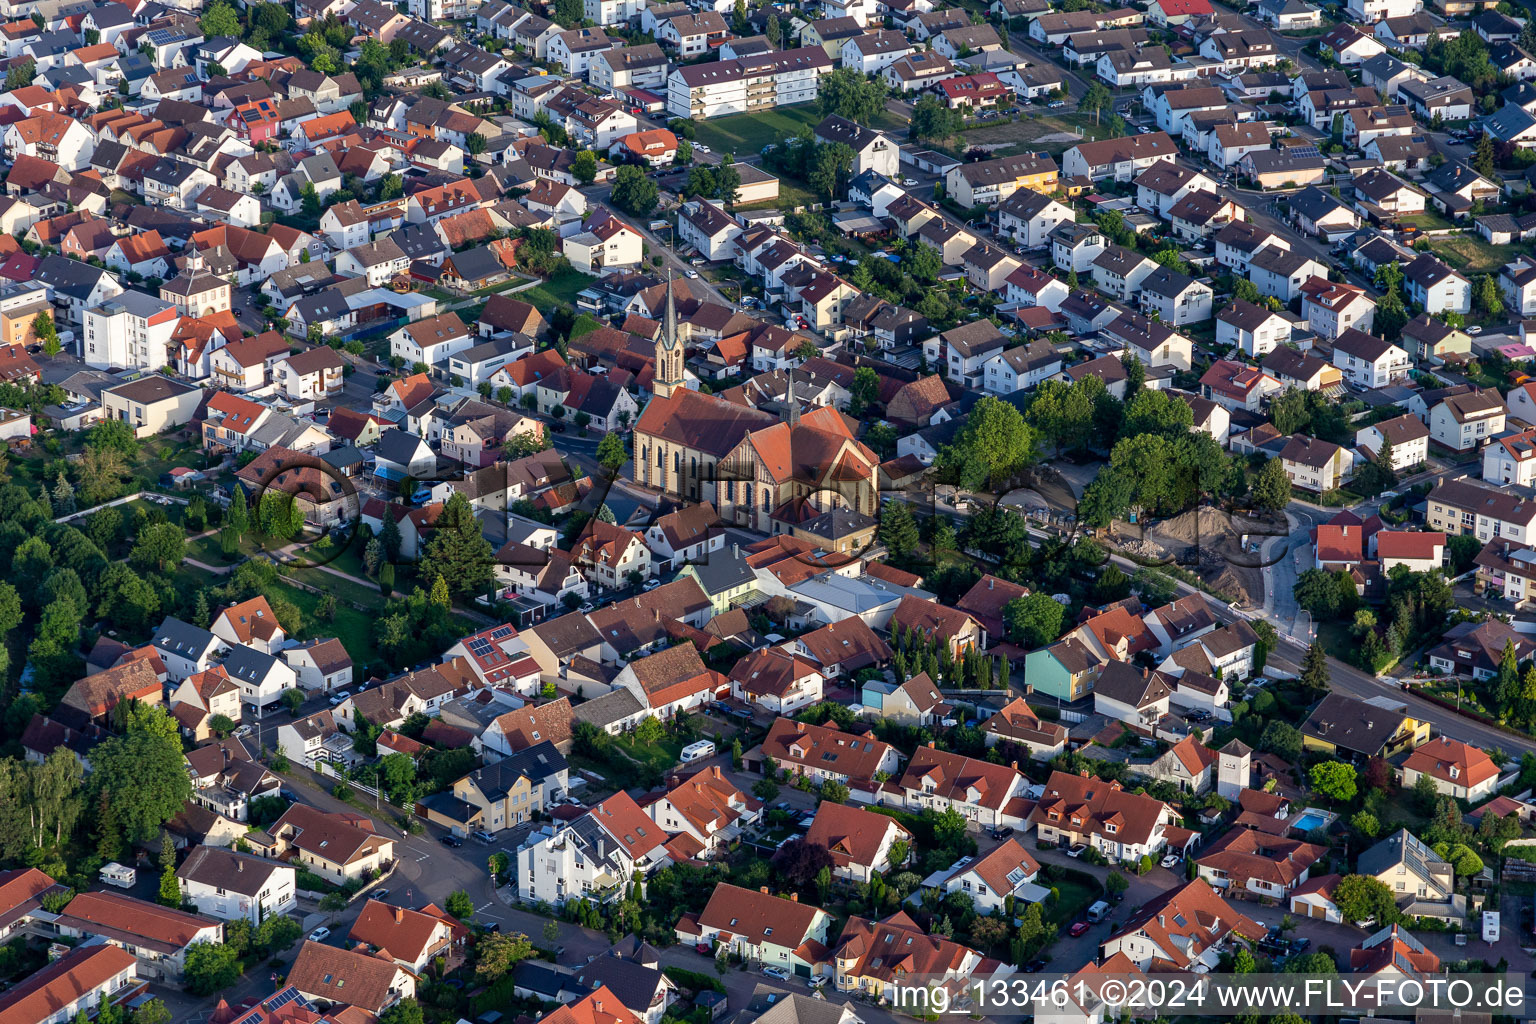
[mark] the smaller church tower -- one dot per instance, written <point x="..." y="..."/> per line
<point x="669" y="351"/>
<point x="1233" y="769"/>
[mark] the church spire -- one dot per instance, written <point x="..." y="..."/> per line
<point x="669" y="322"/>
<point x="669" y="350"/>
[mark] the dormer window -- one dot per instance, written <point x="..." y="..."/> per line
<point x="1111" y="829"/>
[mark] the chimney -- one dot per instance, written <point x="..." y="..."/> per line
<point x="990" y="581"/>
<point x="597" y="1004"/>
<point x="1083" y="773"/>
<point x="763" y="889"/>
<point x="239" y="864"/>
<point x="399" y="915"/>
<point x="1014" y="765"/>
<point x="714" y="771"/>
<point x="794" y="897"/>
<point x="930" y="744"/>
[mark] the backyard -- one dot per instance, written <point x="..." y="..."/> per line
<point x="1471" y="254"/>
<point x="1052" y="133"/>
<point x="560" y="290"/>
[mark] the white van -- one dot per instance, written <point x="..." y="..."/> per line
<point x="695" y="751"/>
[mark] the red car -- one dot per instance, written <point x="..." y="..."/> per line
<point x="705" y="948"/>
<point x="1078" y="929"/>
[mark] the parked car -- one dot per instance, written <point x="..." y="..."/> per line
<point x="452" y="840"/>
<point x="1077" y="850"/>
<point x="320" y="934"/>
<point x="1078" y="929"/>
<point x="705" y="948"/>
<point x="1170" y="861"/>
<point x="1035" y="966"/>
<point x="777" y="973"/>
<point x="338" y="697"/>
<point x="909" y="182"/>
<point x="1002" y="832"/>
<point x="379" y="894"/>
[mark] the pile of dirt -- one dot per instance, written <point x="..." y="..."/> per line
<point x="1205" y="541"/>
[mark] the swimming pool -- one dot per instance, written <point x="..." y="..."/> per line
<point x="1311" y="819"/>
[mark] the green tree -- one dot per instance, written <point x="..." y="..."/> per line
<point x="850" y="94"/>
<point x="584" y="167"/>
<point x="1096" y="100"/>
<point x="898" y="530"/>
<point x="933" y="121"/>
<point x="1271" y="488"/>
<point x="1315" y="677"/>
<point x="220" y="19"/>
<point x="210" y="967"/>
<point x="160" y="548"/>
<point x="457" y="550"/>
<point x="993" y="444"/>
<point x="42" y="326"/>
<point x="238" y="517"/>
<point x="170" y="885"/>
<point x="141" y="771"/>
<point x="611" y="452"/>
<point x="1334" y="779"/>
<point x="309" y="198"/>
<point x="1362" y="898"/>
<point x="1034" y="620"/>
<point x="649" y="732"/>
<point x="773" y="30"/>
<point x="460" y="905"/>
<point x="1483" y="158"/>
<point x="497" y="954"/>
<point x="633" y="191"/>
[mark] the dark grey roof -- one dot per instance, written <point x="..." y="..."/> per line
<point x="538" y="763"/>
<point x="182" y="638"/>
<point x="634" y="985"/>
<point x="398" y="446"/>
<point x="72" y="277"/>
<point x="248" y="664"/>
<point x="1352" y="725"/>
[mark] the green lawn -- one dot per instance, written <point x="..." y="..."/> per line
<point x="559" y="290"/>
<point x="1471" y="253"/>
<point x="352" y="627"/>
<point x="1429" y="220"/>
<point x="746" y="134"/>
<point x="1076" y="897"/>
<point x="791" y="196"/>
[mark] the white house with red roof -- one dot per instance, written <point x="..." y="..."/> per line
<point x="777" y="680"/>
<point x="761" y="926"/>
<point x="1187" y="928"/>
<point x="1123" y="826"/>
<point x="591" y="857"/>
<point x="1457" y="769"/>
<point x="1188" y="764"/>
<point x="706" y="807"/>
<point x="250" y="624"/>
<point x="498" y="657"/>
<point x="1008" y="869"/>
<point x="992" y="795"/>
<point x="860" y="841"/>
<point x="1419" y="550"/>
<point x="672" y="681"/>
<point x="1167" y="13"/>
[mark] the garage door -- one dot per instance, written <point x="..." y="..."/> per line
<point x="802" y="971"/>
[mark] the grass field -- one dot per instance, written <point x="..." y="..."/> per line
<point x="559" y="290"/>
<point x="746" y="134"/>
<point x="1471" y="253"/>
<point x="1048" y="133"/>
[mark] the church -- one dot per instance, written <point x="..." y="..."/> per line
<point x="758" y="471"/>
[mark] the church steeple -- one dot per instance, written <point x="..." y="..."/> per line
<point x="669" y="350"/>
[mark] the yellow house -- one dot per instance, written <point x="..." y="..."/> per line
<point x="991" y="181"/>
<point x="1350" y="728"/>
